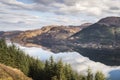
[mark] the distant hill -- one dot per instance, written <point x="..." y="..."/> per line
<point x="9" y="73"/>
<point x="54" y="32"/>
<point x="1" y="33"/>
<point x="9" y="34"/>
<point x="100" y="41"/>
<point x="50" y="37"/>
<point x="110" y="21"/>
<point x="103" y="34"/>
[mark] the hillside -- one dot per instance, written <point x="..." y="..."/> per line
<point x="9" y="73"/>
<point x="34" y="68"/>
<point x="9" y="34"/>
<point x="100" y="41"/>
<point x="103" y="34"/>
<point x="47" y="32"/>
<point x="49" y="37"/>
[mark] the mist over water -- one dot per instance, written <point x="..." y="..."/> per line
<point x="78" y="62"/>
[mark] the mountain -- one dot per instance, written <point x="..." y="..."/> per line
<point x="9" y="34"/>
<point x="60" y="32"/>
<point x="103" y="34"/>
<point x="1" y="33"/>
<point x="49" y="37"/>
<point x="9" y="73"/>
<point x="100" y="41"/>
<point x="110" y="21"/>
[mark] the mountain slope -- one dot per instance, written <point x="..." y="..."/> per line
<point x="50" y="37"/>
<point x="9" y="34"/>
<point x="8" y="73"/>
<point x="60" y="32"/>
<point x="104" y="34"/>
<point x="110" y="21"/>
<point x="100" y="41"/>
<point x="47" y="70"/>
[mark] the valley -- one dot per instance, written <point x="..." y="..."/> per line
<point x="99" y="41"/>
<point x="59" y="39"/>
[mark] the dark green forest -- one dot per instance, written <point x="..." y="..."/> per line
<point x="38" y="70"/>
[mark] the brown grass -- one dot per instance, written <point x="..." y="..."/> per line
<point x="9" y="73"/>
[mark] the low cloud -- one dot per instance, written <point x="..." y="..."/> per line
<point x="77" y="61"/>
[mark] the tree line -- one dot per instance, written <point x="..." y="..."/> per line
<point x="38" y="70"/>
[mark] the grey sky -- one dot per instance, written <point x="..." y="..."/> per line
<point x="31" y="14"/>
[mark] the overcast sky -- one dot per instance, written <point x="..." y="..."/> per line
<point x="31" y="14"/>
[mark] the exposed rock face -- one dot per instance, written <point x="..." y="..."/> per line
<point x="8" y="73"/>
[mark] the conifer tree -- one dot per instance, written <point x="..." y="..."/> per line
<point x="89" y="75"/>
<point x="99" y="76"/>
<point x="54" y="78"/>
<point x="50" y="70"/>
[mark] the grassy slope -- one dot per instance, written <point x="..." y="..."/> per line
<point x="8" y="73"/>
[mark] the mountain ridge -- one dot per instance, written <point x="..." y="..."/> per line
<point x="99" y="41"/>
<point x="114" y="21"/>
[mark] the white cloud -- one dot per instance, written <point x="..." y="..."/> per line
<point x="13" y="16"/>
<point x="94" y="7"/>
<point x="65" y="11"/>
<point x="17" y="20"/>
<point x="77" y="61"/>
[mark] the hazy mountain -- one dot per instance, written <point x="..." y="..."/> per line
<point x="9" y="34"/>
